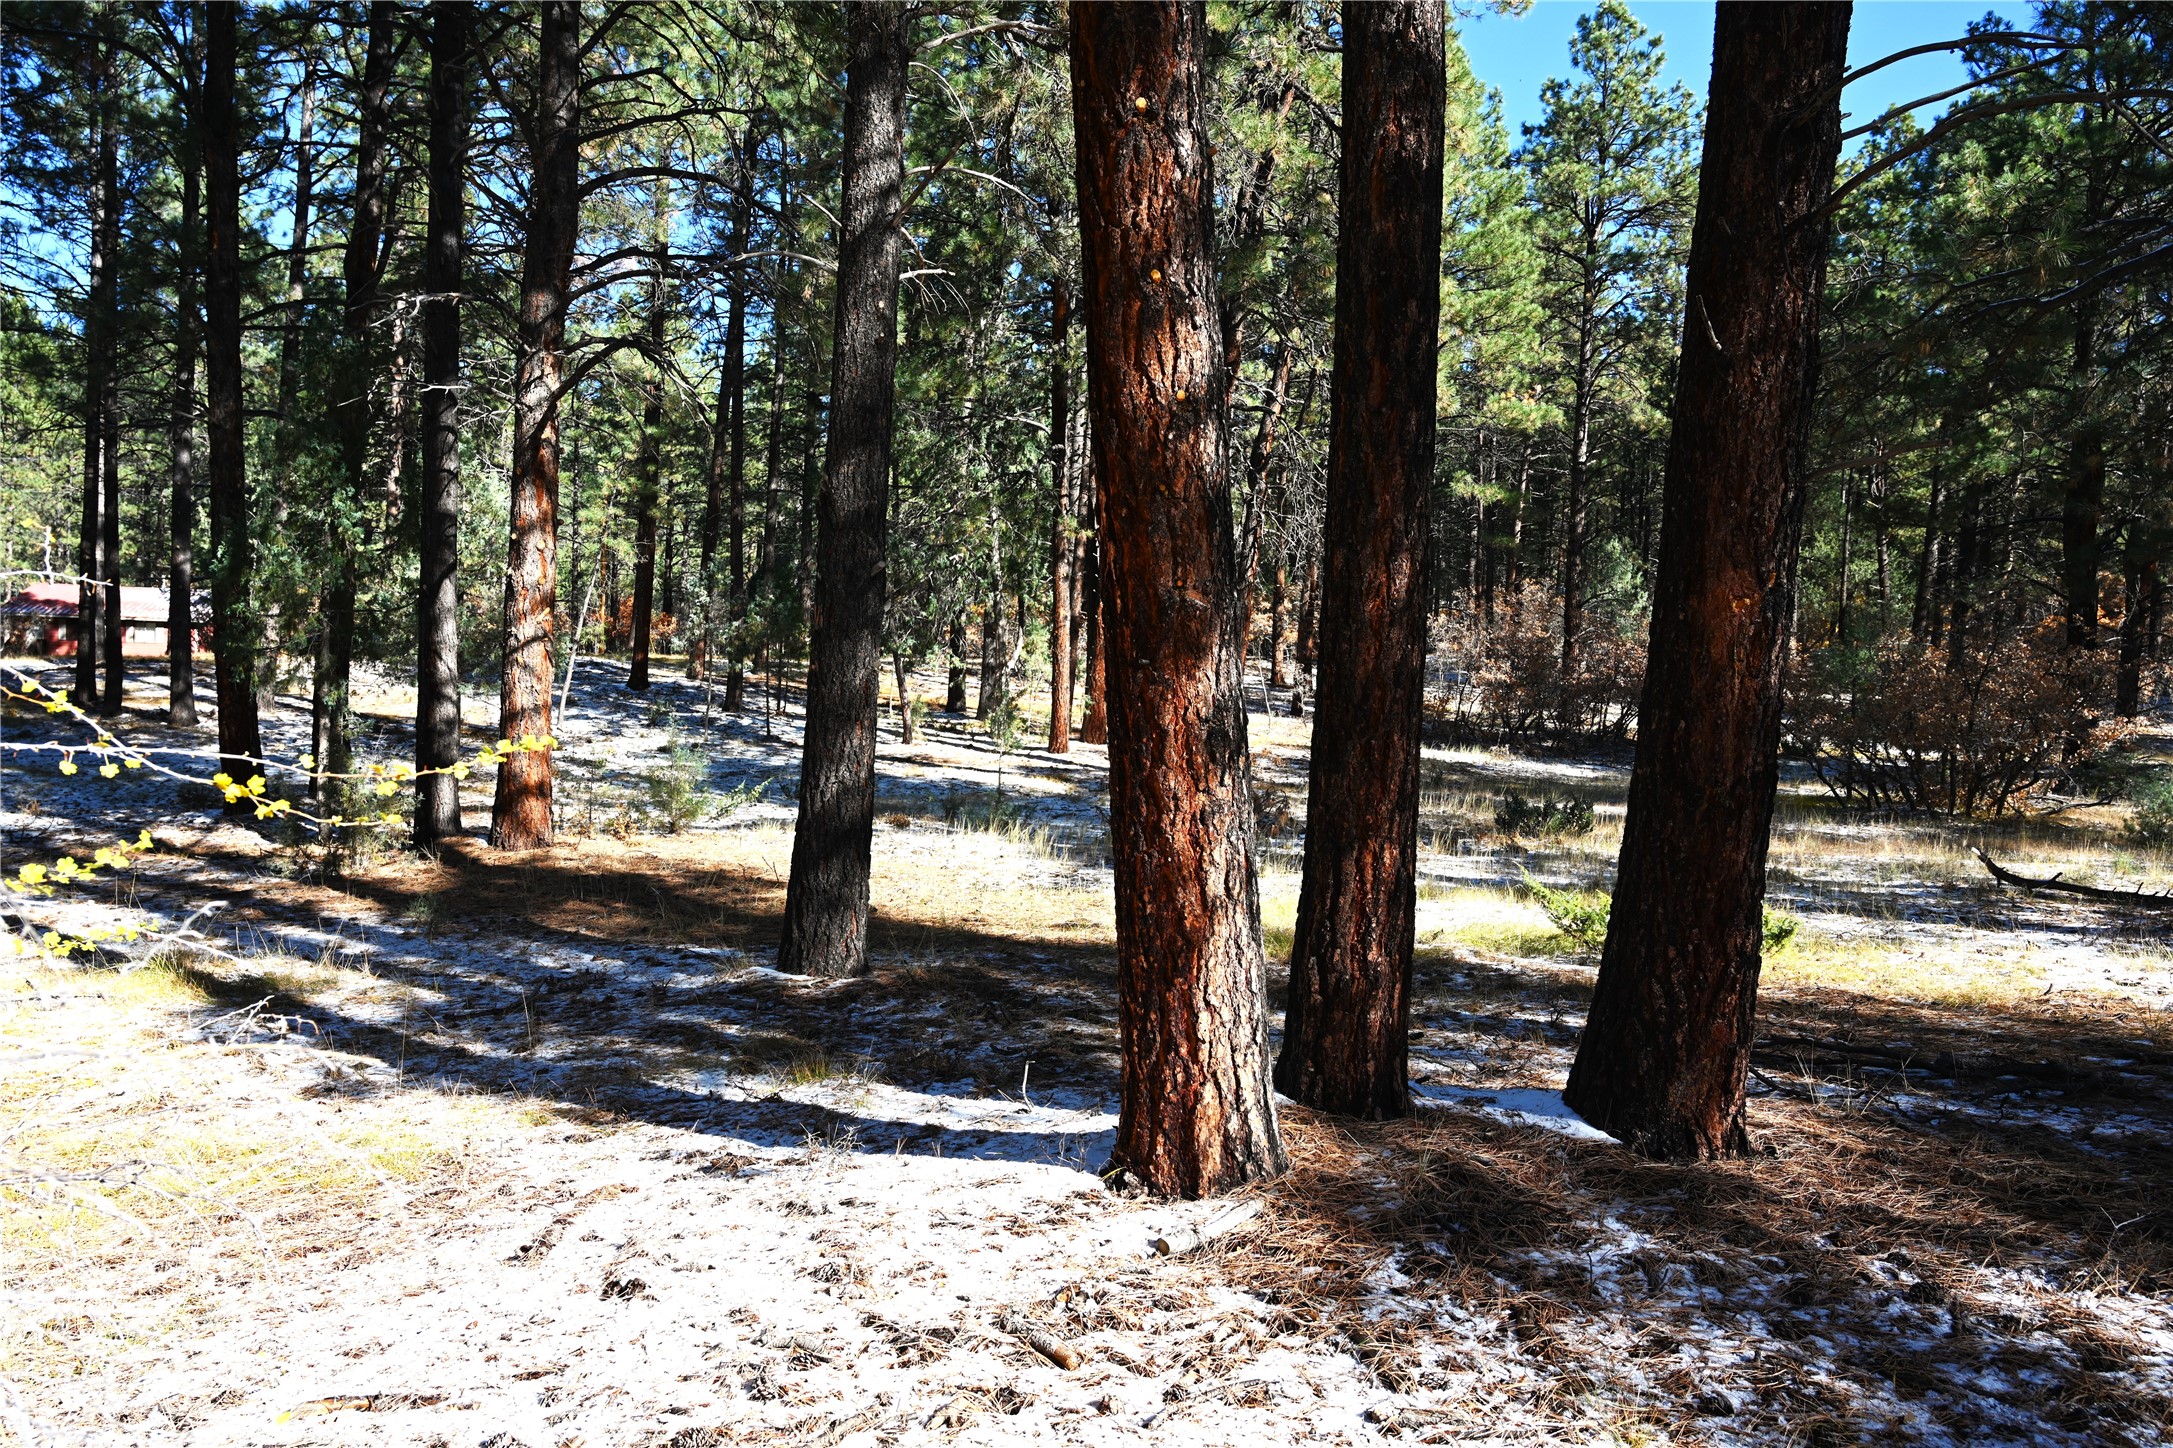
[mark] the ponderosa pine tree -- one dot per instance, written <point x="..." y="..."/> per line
<point x="437" y="632"/>
<point x="826" y="898"/>
<point x="1667" y="1043"/>
<point x="1345" y="1036"/>
<point x="648" y="483"/>
<point x="1609" y="166"/>
<point x="97" y="615"/>
<point x="226" y="448"/>
<point x="521" y="811"/>
<point x="1197" y="1116"/>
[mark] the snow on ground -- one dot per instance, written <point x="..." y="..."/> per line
<point x="709" y="1203"/>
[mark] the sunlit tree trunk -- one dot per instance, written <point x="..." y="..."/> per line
<point x="826" y="898"/>
<point x="1667" y="1042"/>
<point x="1197" y="1114"/>
<point x="521" y="812"/>
<point x="437" y="664"/>
<point x="1346" y="1034"/>
<point x="287" y="427"/>
<point x="226" y="476"/>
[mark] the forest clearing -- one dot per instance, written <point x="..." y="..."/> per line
<point x="897" y="723"/>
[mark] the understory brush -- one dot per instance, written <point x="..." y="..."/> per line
<point x="1984" y="730"/>
<point x="1581" y="917"/>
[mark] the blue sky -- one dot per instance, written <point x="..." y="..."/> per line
<point x="1517" y="53"/>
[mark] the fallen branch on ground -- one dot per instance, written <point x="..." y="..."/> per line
<point x="1184" y="1239"/>
<point x="2141" y="898"/>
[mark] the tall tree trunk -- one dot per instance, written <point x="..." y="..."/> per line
<point x="1307" y="645"/>
<point x="711" y="529"/>
<point x="1345" y="1037"/>
<point x="286" y="429"/>
<point x="521" y="812"/>
<point x="735" y="525"/>
<point x="1668" y="1039"/>
<point x="1197" y="1115"/>
<point x="826" y="898"/>
<point x="1278" y="604"/>
<point x="362" y="268"/>
<point x="1094" y="722"/>
<point x="954" y="697"/>
<point x="437" y="663"/>
<point x="226" y="476"/>
<point x="649" y="485"/>
<point x="95" y="618"/>
<point x="1924" y="611"/>
<point x="1576" y="498"/>
<point x="181" y="424"/>
<point x="1847" y="563"/>
<point x="1063" y="550"/>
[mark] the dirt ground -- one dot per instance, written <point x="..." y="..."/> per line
<point x="538" y="1150"/>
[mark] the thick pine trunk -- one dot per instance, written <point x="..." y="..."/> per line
<point x="521" y="811"/>
<point x="226" y="476"/>
<point x="711" y="527"/>
<point x="437" y="663"/>
<point x="362" y="268"/>
<point x="1346" y="1034"/>
<point x="1197" y="1115"/>
<point x="181" y="432"/>
<point x="1063" y="548"/>
<point x="826" y="899"/>
<point x="1667" y="1043"/>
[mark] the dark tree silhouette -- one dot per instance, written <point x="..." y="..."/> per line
<point x="1664" y="1052"/>
<point x="1197" y="1115"/>
<point x="225" y="462"/>
<point x="826" y="898"/>
<point x="437" y="663"/>
<point x="1344" y="1041"/>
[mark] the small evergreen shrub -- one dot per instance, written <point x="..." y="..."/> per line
<point x="1549" y="818"/>
<point x="1581" y="915"/>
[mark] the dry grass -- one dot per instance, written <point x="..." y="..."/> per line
<point x="148" y="1181"/>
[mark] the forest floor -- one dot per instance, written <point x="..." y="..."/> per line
<point x="536" y="1149"/>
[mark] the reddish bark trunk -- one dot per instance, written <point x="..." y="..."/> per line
<point x="1664" y="1052"/>
<point x="1197" y="1114"/>
<point x="225" y="470"/>
<point x="437" y="663"/>
<point x="1346" y="1034"/>
<point x="826" y="899"/>
<point x="521" y="811"/>
<point x="1094" y="719"/>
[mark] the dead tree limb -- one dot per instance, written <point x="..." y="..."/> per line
<point x="2139" y="898"/>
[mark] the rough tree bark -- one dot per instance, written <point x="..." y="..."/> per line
<point x="521" y="811"/>
<point x="1346" y="1034"/>
<point x="437" y="633"/>
<point x="826" y="898"/>
<point x="225" y="470"/>
<point x="286" y="430"/>
<point x="181" y="423"/>
<point x="362" y="269"/>
<point x="1664" y="1052"/>
<point x="1063" y="548"/>
<point x="1197" y="1115"/>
